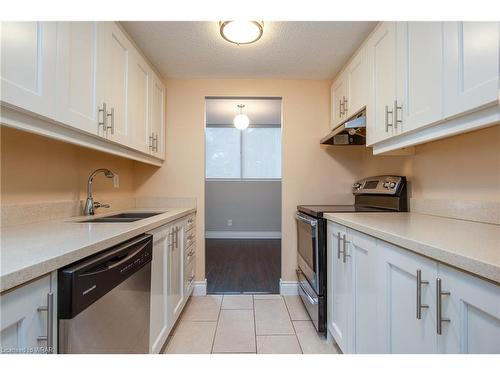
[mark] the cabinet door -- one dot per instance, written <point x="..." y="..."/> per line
<point x="21" y="321"/>
<point x="159" y="323"/>
<point x="157" y="118"/>
<point x="368" y="334"/>
<point x="473" y="308"/>
<point x="176" y="274"/>
<point x="139" y="106"/>
<point x="339" y="287"/>
<point x="117" y="59"/>
<point x="381" y="54"/>
<point x="80" y="75"/>
<point x="420" y="74"/>
<point x="471" y="60"/>
<point x="28" y="66"/>
<point x="357" y="84"/>
<point x="404" y="332"/>
<point x="338" y="96"/>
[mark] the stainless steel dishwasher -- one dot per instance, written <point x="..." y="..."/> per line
<point x="104" y="300"/>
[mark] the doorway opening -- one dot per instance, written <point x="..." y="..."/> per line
<point x="243" y="194"/>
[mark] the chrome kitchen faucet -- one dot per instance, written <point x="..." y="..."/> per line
<point x="90" y="205"/>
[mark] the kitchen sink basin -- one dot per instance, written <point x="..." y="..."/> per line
<point x="124" y="217"/>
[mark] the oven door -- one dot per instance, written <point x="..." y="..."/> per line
<point x="307" y="248"/>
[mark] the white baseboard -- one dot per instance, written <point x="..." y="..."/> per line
<point x="288" y="288"/>
<point x="242" y="234"/>
<point x="200" y="288"/>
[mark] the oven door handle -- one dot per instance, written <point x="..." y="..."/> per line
<point x="304" y="219"/>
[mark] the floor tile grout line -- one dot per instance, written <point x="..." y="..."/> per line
<point x="217" y="325"/>
<point x="293" y="326"/>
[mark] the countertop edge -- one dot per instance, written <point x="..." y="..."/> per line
<point x="24" y="275"/>
<point x="470" y="265"/>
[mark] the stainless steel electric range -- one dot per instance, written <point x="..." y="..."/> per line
<point x="372" y="194"/>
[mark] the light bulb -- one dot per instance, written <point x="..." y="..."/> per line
<point x="241" y="121"/>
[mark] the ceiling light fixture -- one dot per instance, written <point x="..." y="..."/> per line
<point x="241" y="32"/>
<point x="241" y="121"/>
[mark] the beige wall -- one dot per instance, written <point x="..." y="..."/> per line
<point x="37" y="169"/>
<point x="311" y="174"/>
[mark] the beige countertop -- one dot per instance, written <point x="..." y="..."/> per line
<point x="470" y="246"/>
<point x="32" y="250"/>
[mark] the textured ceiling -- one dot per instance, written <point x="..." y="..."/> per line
<point x="288" y="50"/>
<point x="259" y="111"/>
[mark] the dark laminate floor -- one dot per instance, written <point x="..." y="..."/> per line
<point x="243" y="266"/>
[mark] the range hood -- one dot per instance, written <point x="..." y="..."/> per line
<point x="351" y="132"/>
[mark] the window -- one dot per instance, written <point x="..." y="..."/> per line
<point x="254" y="153"/>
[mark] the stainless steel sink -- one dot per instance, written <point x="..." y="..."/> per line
<point x="124" y="217"/>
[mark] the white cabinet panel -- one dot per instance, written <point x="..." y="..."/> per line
<point x="157" y="118"/>
<point x="339" y="288"/>
<point x="118" y="51"/>
<point x="80" y="75"/>
<point x="367" y="284"/>
<point x="159" y="323"/>
<point x="471" y="60"/>
<point x="21" y="321"/>
<point x="175" y="273"/>
<point x="139" y="106"/>
<point x="404" y="333"/>
<point x="28" y="65"/>
<point x="381" y="57"/>
<point x="338" y="97"/>
<point x="357" y="85"/>
<point x="473" y="308"/>
<point x="420" y="74"/>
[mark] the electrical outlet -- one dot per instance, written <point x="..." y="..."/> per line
<point x="230" y="223"/>
<point x="116" y="181"/>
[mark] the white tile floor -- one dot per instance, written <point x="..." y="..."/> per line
<point x="262" y="324"/>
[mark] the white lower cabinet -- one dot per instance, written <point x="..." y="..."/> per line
<point x="28" y="322"/>
<point x="170" y="287"/>
<point x="473" y="310"/>
<point x="403" y="331"/>
<point x="384" y="299"/>
<point x="339" y="298"/>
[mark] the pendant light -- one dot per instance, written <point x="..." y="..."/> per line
<point x="241" y="121"/>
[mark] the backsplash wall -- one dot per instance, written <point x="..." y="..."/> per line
<point x="37" y="169"/>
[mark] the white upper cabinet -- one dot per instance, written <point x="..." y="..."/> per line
<point x="356" y="77"/>
<point x="338" y="98"/>
<point x="28" y="66"/>
<point x="80" y="75"/>
<point x="157" y="119"/>
<point x="471" y="58"/>
<point x="139" y="93"/>
<point x="117" y="74"/>
<point x="419" y="75"/>
<point x="381" y="57"/>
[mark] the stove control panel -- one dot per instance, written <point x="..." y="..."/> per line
<point x="381" y="185"/>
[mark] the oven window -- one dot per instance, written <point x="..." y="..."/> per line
<point x="306" y="239"/>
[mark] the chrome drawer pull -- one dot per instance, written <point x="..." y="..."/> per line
<point x="387" y="112"/>
<point x="338" y="245"/>
<point x="439" y="307"/>
<point x="344" y="252"/>
<point x="420" y="306"/>
<point x="50" y="323"/>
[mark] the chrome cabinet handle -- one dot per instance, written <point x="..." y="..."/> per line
<point x="151" y="141"/>
<point x="396" y="121"/>
<point x="156" y="142"/>
<point x="50" y="323"/>
<point x="340" y="108"/>
<point x="420" y="306"/>
<point x="387" y="113"/>
<point x="338" y="245"/>
<point x="104" y="122"/>
<point x="344" y="252"/>
<point x="439" y="307"/>
<point x="112" y="115"/>
<point x="345" y="104"/>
